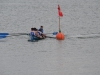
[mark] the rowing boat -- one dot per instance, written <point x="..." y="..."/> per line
<point x="34" y="39"/>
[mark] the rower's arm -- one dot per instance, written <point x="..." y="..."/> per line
<point x="38" y="35"/>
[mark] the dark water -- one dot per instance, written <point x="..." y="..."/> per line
<point x="78" y="54"/>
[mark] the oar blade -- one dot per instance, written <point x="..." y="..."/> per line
<point x="4" y="33"/>
<point x="55" y="33"/>
<point x="3" y="36"/>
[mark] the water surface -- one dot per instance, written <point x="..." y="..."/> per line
<point x="78" y="54"/>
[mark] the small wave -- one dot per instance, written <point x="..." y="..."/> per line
<point x="86" y="36"/>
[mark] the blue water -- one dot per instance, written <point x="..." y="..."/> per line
<point x="78" y="54"/>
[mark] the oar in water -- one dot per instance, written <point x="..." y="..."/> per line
<point x="16" y="34"/>
<point x="3" y="36"/>
<point x="13" y="34"/>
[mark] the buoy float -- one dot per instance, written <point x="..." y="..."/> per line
<point x="60" y="36"/>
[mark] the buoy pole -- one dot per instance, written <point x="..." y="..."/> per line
<point x="59" y="25"/>
<point x="60" y="36"/>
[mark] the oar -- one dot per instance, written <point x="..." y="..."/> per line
<point x="4" y="33"/>
<point x="54" y="33"/>
<point x="50" y="37"/>
<point x="14" y="34"/>
<point x="3" y="36"/>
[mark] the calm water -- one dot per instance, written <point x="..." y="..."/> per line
<point x="78" y="54"/>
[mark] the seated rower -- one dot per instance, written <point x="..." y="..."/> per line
<point x="34" y="34"/>
<point x="41" y="34"/>
<point x="41" y="29"/>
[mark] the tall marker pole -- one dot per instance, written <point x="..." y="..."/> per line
<point x="59" y="25"/>
<point x="60" y="36"/>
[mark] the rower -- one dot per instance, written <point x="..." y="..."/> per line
<point x="41" y="34"/>
<point x="41" y="29"/>
<point x="34" y="34"/>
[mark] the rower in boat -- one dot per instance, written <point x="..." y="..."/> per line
<point x="41" y="29"/>
<point x="41" y="34"/>
<point x="34" y="35"/>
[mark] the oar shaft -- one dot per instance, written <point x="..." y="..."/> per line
<point x="50" y="37"/>
<point x="54" y="33"/>
<point x="17" y="34"/>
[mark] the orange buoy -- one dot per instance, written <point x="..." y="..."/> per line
<point x="60" y="36"/>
